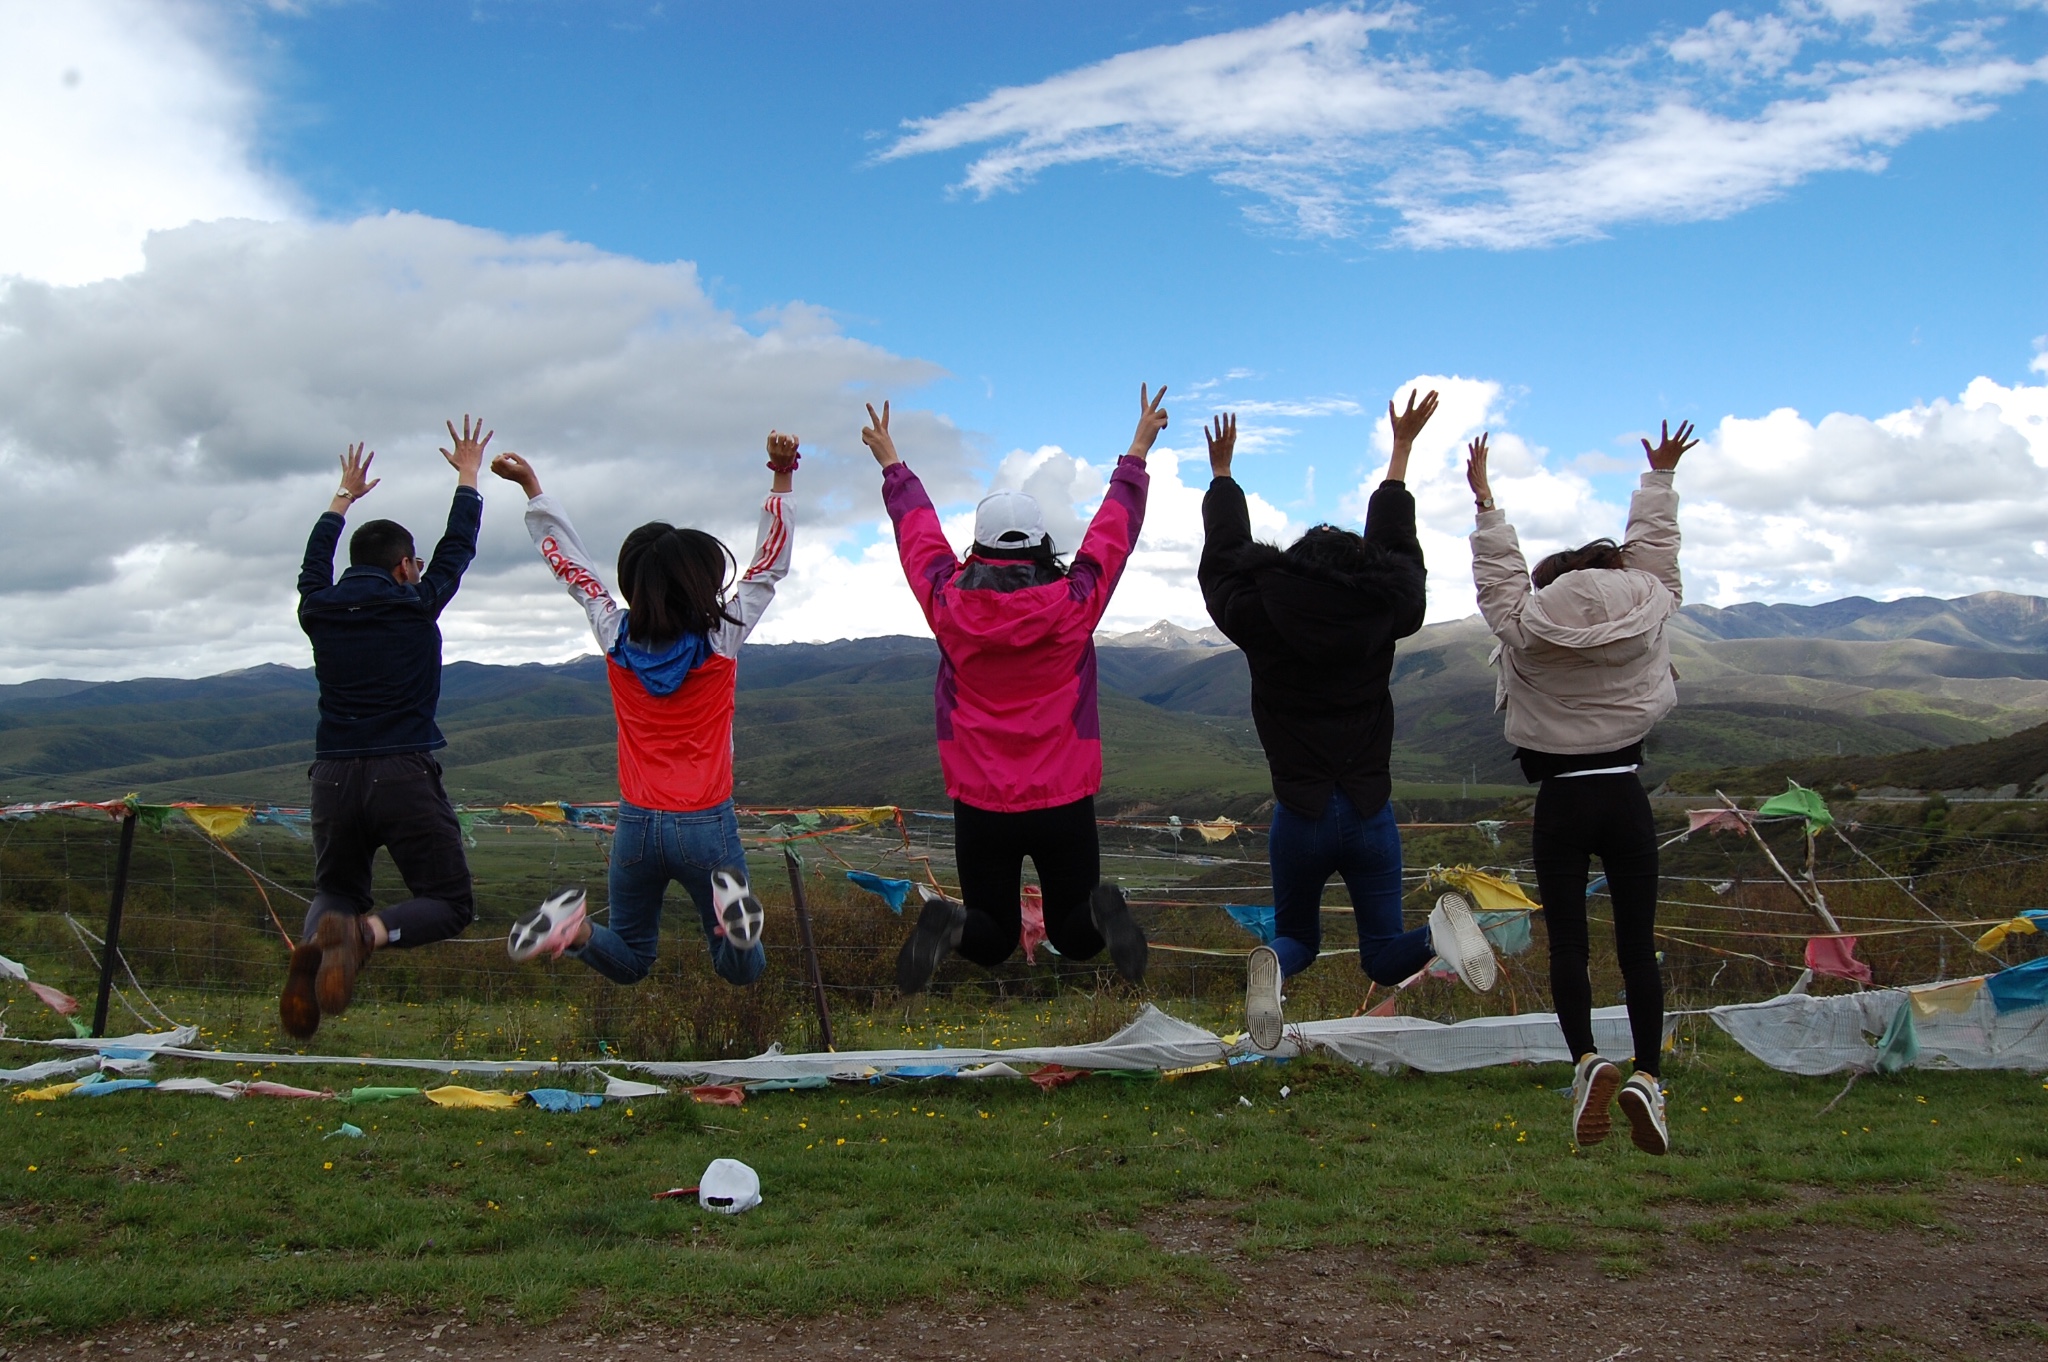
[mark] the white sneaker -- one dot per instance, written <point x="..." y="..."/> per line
<point x="549" y="929"/>
<point x="1262" y="999"/>
<point x="1593" y="1085"/>
<point x="1454" y="935"/>
<point x="1642" y="1101"/>
<point x="739" y="912"/>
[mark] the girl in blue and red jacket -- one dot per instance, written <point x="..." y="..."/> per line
<point x="672" y="657"/>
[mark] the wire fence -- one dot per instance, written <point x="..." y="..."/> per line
<point x="208" y="921"/>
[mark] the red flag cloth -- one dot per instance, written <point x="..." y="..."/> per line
<point x="1034" y="922"/>
<point x="1052" y="1076"/>
<point x="718" y="1095"/>
<point x="1836" y="956"/>
<point x="1385" y="1009"/>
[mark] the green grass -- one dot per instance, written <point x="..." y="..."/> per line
<point x="150" y="1205"/>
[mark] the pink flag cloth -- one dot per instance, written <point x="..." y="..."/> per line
<point x="265" y="1088"/>
<point x="1385" y="1009"/>
<point x="63" y="1004"/>
<point x="1718" y="820"/>
<point x="1836" y="956"/>
<point x="1034" y="921"/>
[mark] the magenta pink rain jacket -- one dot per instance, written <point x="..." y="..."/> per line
<point x="1016" y="690"/>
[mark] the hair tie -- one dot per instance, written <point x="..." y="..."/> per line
<point x="780" y="466"/>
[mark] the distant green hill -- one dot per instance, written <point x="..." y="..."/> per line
<point x="851" y="721"/>
<point x="2008" y="767"/>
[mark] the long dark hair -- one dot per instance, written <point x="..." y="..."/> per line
<point x="1042" y="556"/>
<point x="1601" y="553"/>
<point x="674" y="581"/>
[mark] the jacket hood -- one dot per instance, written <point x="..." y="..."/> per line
<point x="1596" y="607"/>
<point x="661" y="670"/>
<point x="1319" y="608"/>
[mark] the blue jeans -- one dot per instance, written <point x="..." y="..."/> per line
<point x="1367" y="853"/>
<point x="650" y="849"/>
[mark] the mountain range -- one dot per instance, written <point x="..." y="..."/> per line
<point x="850" y="722"/>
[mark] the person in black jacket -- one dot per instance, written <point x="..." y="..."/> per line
<point x="377" y="657"/>
<point x="1317" y="623"/>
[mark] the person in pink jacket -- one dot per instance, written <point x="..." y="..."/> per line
<point x="1020" y="742"/>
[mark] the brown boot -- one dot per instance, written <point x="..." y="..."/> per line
<point x="298" y="1007"/>
<point x="343" y="951"/>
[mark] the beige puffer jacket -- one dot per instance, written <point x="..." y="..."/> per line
<point x="1583" y="663"/>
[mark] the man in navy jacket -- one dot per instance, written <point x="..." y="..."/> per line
<point x="377" y="654"/>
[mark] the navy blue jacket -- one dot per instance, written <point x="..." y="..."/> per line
<point x="376" y="644"/>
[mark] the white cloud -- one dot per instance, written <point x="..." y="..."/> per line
<point x="167" y="438"/>
<point x="1940" y="499"/>
<point x="1328" y="113"/>
<point x="120" y="119"/>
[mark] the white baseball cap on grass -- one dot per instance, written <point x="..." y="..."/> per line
<point x="1009" y="520"/>
<point x="729" y="1187"/>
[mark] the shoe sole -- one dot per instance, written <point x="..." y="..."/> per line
<point x="1262" y="1015"/>
<point x="1475" y="964"/>
<point x="1642" y="1122"/>
<point x="530" y="935"/>
<point x="1128" y="949"/>
<point x="340" y="959"/>
<point x="1597" y="1120"/>
<point x="926" y="949"/>
<point x="742" y="917"/>
<point x="298" y="1006"/>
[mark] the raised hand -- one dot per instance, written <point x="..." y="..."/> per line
<point x="875" y="435"/>
<point x="356" y="481"/>
<point x="1475" y="472"/>
<point x="1222" y="437"/>
<point x="1151" y="420"/>
<point x="1670" y="447"/>
<point x="782" y="459"/>
<point x="468" y="455"/>
<point x="514" y="468"/>
<point x="1408" y="424"/>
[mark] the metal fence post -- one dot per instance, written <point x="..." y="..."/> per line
<point x="112" y="946"/>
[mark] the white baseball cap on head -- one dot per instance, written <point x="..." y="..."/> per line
<point x="1009" y="520"/>
<point x="729" y="1187"/>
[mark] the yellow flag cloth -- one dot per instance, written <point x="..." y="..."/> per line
<point x="452" y="1096"/>
<point x="880" y="814"/>
<point x="539" y="813"/>
<point x="218" y="821"/>
<point x="1216" y="831"/>
<point x="1955" y="997"/>
<point x="1995" y="938"/>
<point x="1489" y="892"/>
<point x="49" y="1094"/>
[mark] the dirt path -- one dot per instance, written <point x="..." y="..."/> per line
<point x="1966" y="1290"/>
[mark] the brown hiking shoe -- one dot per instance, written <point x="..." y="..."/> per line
<point x="298" y="1009"/>
<point x="342" y="953"/>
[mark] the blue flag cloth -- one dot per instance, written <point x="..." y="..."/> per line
<point x="1900" y="1047"/>
<point x="892" y="891"/>
<point x="561" y="1099"/>
<point x="102" y="1087"/>
<point x="1254" y="918"/>
<point x="1509" y="932"/>
<point x="2020" y="987"/>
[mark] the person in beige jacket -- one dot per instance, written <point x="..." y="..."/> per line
<point x="1584" y="674"/>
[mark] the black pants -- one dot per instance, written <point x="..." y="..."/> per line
<point x="362" y="803"/>
<point x="991" y="847"/>
<point x="1577" y="818"/>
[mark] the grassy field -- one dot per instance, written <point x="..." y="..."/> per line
<point x="150" y="1206"/>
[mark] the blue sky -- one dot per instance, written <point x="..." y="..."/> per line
<point x="708" y="134"/>
<point x="1593" y="215"/>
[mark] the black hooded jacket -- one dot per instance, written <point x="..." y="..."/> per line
<point x="1320" y="643"/>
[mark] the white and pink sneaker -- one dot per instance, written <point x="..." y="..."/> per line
<point x="549" y="929"/>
